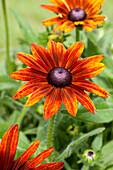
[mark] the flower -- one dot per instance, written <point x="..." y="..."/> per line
<point x="58" y="74"/>
<point x="89" y="156"/>
<point x="75" y="13"/>
<point x="8" y="148"/>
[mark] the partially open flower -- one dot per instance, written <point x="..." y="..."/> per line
<point x="58" y="74"/>
<point x="74" y="13"/>
<point x="89" y="156"/>
<point x="8" y="147"/>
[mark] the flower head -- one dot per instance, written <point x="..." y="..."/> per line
<point x="74" y="13"/>
<point x="89" y="156"/>
<point x="58" y="74"/>
<point x="8" y="148"/>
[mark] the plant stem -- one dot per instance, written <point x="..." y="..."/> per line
<point x="8" y="61"/>
<point x="77" y="38"/>
<point x="50" y="134"/>
<point x="21" y="116"/>
<point x="85" y="167"/>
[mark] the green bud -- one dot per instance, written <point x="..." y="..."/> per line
<point x="89" y="156"/>
<point x="72" y="129"/>
<point x="40" y="108"/>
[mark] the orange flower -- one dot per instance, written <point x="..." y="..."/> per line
<point x="73" y="13"/>
<point x="8" y="148"/>
<point x="57" y="74"/>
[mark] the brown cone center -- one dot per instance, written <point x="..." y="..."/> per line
<point x="77" y="14"/>
<point x="59" y="77"/>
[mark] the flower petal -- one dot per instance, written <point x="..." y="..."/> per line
<point x="26" y="74"/>
<point x="42" y="54"/>
<point x="54" y="50"/>
<point x="84" y="99"/>
<point x="31" y="61"/>
<point x="38" y="94"/>
<point x="26" y="155"/>
<point x="52" y="103"/>
<point x="85" y="63"/>
<point x="90" y="72"/>
<point x="54" y="9"/>
<point x="50" y="166"/>
<point x="52" y="21"/>
<point x="61" y="54"/>
<point x="70" y="101"/>
<point x="29" y="88"/>
<point x="67" y="26"/>
<point x="91" y="87"/>
<point x="8" y="147"/>
<point x="62" y="4"/>
<point x="36" y="160"/>
<point x="73" y="53"/>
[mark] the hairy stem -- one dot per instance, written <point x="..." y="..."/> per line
<point x="50" y="134"/>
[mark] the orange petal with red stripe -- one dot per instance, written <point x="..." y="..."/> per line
<point x="38" y="94"/>
<point x="84" y="99"/>
<point x="27" y="74"/>
<point x="26" y="155"/>
<point x="52" y="103"/>
<point x="8" y="147"/>
<point x="54" y="9"/>
<point x="90" y="87"/>
<point x="42" y="54"/>
<point x="32" y="62"/>
<point x="50" y="166"/>
<point x="69" y="99"/>
<point x="82" y="64"/>
<point x="72" y="54"/>
<point x="52" y="21"/>
<point x="37" y="160"/>
<point x="29" y="88"/>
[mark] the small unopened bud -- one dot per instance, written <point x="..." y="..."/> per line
<point x="56" y="36"/>
<point x="89" y="156"/>
<point x="72" y="129"/>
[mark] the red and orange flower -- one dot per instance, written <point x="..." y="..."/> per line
<point x="58" y="74"/>
<point x="73" y="13"/>
<point x="8" y="148"/>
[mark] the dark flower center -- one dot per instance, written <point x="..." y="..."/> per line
<point x="77" y="14"/>
<point x="90" y="154"/>
<point x="59" y="77"/>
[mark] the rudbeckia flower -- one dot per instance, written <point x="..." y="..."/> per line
<point x="74" y="13"/>
<point x="58" y="74"/>
<point x="8" y="148"/>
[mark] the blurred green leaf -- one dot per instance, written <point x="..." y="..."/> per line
<point x="6" y="83"/>
<point x="107" y="154"/>
<point x="13" y="118"/>
<point x="97" y="143"/>
<point x="104" y="112"/>
<point x="26" y="29"/>
<point x="68" y="151"/>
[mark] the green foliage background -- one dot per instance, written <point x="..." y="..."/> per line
<point x="90" y="131"/>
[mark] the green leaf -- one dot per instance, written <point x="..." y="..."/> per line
<point x="97" y="143"/>
<point x="104" y="112"/>
<point x="13" y="118"/>
<point x="7" y="83"/>
<point x="3" y="127"/>
<point x="68" y="151"/>
<point x="107" y="154"/>
<point x="26" y="29"/>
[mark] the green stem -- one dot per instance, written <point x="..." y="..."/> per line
<point x="77" y="34"/>
<point x="8" y="61"/>
<point x="85" y="167"/>
<point x="50" y="134"/>
<point x="22" y="116"/>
